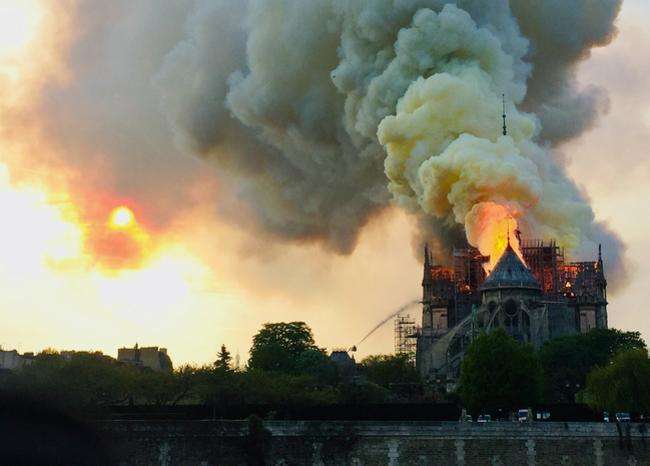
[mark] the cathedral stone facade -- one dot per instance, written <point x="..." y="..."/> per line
<point x="533" y="303"/>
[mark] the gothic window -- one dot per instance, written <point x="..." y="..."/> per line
<point x="511" y="307"/>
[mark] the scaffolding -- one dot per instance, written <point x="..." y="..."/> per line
<point x="545" y="261"/>
<point x="405" y="335"/>
<point x="468" y="265"/>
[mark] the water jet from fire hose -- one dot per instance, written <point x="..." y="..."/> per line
<point x="393" y="313"/>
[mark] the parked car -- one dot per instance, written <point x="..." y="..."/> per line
<point x="483" y="418"/>
<point x="623" y="417"/>
<point x="523" y="415"/>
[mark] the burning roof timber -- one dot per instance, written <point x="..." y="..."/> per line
<point x="544" y="262"/>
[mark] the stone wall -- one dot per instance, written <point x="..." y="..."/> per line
<point x="319" y="443"/>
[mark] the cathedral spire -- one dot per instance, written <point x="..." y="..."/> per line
<point x="600" y="258"/>
<point x="505" y="126"/>
<point x="426" y="270"/>
<point x="427" y="257"/>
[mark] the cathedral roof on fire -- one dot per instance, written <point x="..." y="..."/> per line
<point x="510" y="272"/>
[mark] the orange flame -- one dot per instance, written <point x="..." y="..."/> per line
<point x="490" y="226"/>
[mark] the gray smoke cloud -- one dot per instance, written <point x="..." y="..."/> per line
<point x="561" y="34"/>
<point x="321" y="114"/>
<point x="303" y="104"/>
<point x="242" y="93"/>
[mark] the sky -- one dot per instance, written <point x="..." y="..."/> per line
<point x="81" y="135"/>
<point x="610" y="162"/>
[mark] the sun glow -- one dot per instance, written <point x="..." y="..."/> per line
<point x="117" y="267"/>
<point x="121" y="218"/>
<point x="167" y="284"/>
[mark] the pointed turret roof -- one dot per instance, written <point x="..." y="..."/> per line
<point x="510" y="272"/>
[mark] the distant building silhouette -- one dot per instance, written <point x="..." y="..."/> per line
<point x="346" y="364"/>
<point x="152" y="357"/>
<point x="10" y="360"/>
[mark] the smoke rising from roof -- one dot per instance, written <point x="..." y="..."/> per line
<point x="308" y="108"/>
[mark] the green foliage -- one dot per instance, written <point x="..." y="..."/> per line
<point x="224" y="360"/>
<point x="163" y="388"/>
<point x="621" y="385"/>
<point x="264" y="387"/>
<point x="499" y="373"/>
<point x="568" y="360"/>
<point x="389" y="370"/>
<point x="89" y="382"/>
<point x="316" y="364"/>
<point x="217" y="387"/>
<point x="362" y="393"/>
<point x="278" y="346"/>
<point x="84" y="381"/>
<point x="286" y="368"/>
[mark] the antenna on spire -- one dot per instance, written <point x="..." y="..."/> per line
<point x="505" y="127"/>
<point x="508" y="232"/>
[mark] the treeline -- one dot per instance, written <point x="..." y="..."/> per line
<point x="608" y="369"/>
<point x="285" y="368"/>
<point x="605" y="368"/>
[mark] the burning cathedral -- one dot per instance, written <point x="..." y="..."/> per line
<point x="533" y="294"/>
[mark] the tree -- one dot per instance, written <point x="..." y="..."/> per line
<point x="389" y="370"/>
<point x="162" y="388"/>
<point x="362" y="392"/>
<point x="567" y="360"/>
<point x="283" y="389"/>
<point x="277" y="346"/>
<point x="621" y="385"/>
<point x="223" y="360"/>
<point x="220" y="388"/>
<point x="82" y="382"/>
<point x="499" y="373"/>
<point x="315" y="363"/>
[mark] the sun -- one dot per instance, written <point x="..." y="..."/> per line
<point x="121" y="217"/>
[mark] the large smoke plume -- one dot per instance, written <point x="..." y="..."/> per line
<point x="320" y="113"/>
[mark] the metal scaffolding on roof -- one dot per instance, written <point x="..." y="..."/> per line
<point x="405" y="335"/>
